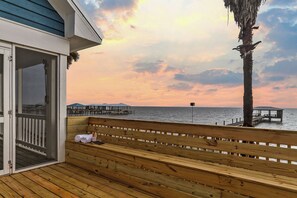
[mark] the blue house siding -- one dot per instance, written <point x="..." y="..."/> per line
<point x="35" y="13"/>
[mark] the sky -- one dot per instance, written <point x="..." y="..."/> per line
<point x="171" y="53"/>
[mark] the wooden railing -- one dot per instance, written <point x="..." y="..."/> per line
<point x="31" y="132"/>
<point x="272" y="151"/>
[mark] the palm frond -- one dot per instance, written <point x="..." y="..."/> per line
<point x="74" y="56"/>
<point x="245" y="11"/>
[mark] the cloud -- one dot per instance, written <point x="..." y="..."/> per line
<point x="211" y="90"/>
<point x="111" y="15"/>
<point x="274" y="78"/>
<point x="180" y="87"/>
<point x="112" y="5"/>
<point x="108" y="5"/>
<point x="148" y="67"/>
<point x="281" y="23"/>
<point x="286" y="68"/>
<point x="276" y="88"/>
<point x="213" y="76"/>
<point x="291" y="87"/>
<point x="91" y="6"/>
<point x="282" y="2"/>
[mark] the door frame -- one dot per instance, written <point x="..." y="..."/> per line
<point x="5" y="49"/>
<point x="10" y="119"/>
<point x="13" y="107"/>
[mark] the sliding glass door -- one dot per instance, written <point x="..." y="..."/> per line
<point x="36" y="101"/>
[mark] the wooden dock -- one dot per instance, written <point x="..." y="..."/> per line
<point x="91" y="110"/>
<point x="262" y="114"/>
<point x="256" y="120"/>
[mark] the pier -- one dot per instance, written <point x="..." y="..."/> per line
<point x="269" y="114"/>
<point x="261" y="114"/>
<point x="102" y="109"/>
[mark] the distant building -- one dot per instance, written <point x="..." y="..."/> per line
<point x="269" y="114"/>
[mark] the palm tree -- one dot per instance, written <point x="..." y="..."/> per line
<point x="245" y="15"/>
<point x="74" y="56"/>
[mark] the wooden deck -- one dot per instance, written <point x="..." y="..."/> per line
<point x="24" y="157"/>
<point x="63" y="180"/>
<point x="187" y="160"/>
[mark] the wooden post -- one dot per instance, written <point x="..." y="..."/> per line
<point x="192" y="104"/>
<point x="20" y="102"/>
<point x="51" y="118"/>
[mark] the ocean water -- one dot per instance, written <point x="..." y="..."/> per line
<point x="205" y="115"/>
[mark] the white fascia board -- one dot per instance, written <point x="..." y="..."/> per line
<point x="84" y="31"/>
<point x="77" y="24"/>
<point x="88" y="22"/>
<point x="17" y="33"/>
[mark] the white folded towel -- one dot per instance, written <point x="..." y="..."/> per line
<point x="84" y="138"/>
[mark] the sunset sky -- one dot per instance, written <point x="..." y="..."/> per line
<point x="173" y="52"/>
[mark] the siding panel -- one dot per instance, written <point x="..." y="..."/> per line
<point x="38" y="14"/>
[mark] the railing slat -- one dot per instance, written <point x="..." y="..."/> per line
<point x="43" y="133"/>
<point x="31" y="131"/>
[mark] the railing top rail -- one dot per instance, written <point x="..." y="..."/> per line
<point x="230" y="132"/>
<point x="32" y="116"/>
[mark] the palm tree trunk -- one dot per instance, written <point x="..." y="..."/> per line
<point x="248" y="72"/>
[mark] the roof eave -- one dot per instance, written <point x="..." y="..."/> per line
<point x="87" y="18"/>
<point x="79" y="28"/>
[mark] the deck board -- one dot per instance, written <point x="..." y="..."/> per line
<point x="63" y="180"/>
<point x="24" y="157"/>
